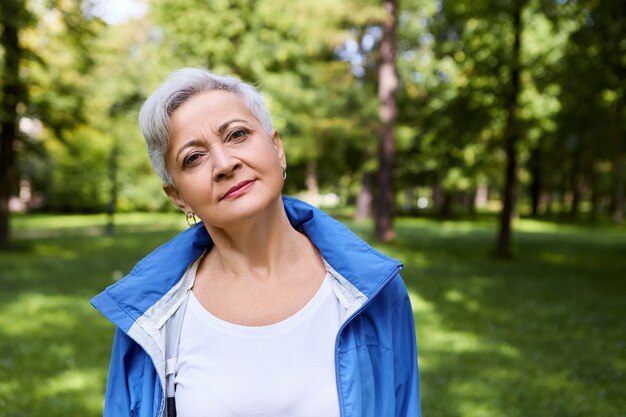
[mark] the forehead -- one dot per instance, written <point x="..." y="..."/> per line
<point x="210" y="107"/>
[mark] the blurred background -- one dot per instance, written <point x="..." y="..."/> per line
<point x="481" y="142"/>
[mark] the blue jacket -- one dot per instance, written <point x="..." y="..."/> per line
<point x="375" y="353"/>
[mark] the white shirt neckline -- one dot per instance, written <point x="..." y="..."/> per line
<point x="232" y="329"/>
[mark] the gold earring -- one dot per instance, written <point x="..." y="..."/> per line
<point x="191" y="218"/>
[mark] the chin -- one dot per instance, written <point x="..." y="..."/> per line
<point x="244" y="210"/>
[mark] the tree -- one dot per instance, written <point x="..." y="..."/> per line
<point x="387" y="85"/>
<point x="590" y="140"/>
<point x="292" y="51"/>
<point x="511" y="135"/>
<point x="13" y="16"/>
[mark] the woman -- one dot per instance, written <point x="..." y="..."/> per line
<point x="267" y="307"/>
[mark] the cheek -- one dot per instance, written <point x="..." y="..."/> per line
<point x="272" y="156"/>
<point x="195" y="189"/>
<point x="263" y="159"/>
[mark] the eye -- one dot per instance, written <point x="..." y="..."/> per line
<point x="238" y="135"/>
<point x="191" y="159"/>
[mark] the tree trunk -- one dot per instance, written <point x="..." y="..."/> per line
<point x="482" y="196"/>
<point x="564" y="199"/>
<point x="409" y="200"/>
<point x="437" y="191"/>
<point x="10" y="94"/>
<point x="364" y="199"/>
<point x="549" y="202"/>
<point x="469" y="202"/>
<point x="535" y="184"/>
<point x="112" y="204"/>
<point x="576" y="187"/>
<point x="387" y="85"/>
<point x="511" y="137"/>
<point x="594" y="195"/>
<point x="445" y="211"/>
<point x="312" y="187"/>
<point x="618" y="211"/>
<point x="618" y="165"/>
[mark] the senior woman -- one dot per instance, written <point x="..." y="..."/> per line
<point x="266" y="306"/>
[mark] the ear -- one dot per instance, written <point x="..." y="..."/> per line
<point x="175" y="197"/>
<point x="278" y="146"/>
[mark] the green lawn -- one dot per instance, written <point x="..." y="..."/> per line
<point x="543" y="334"/>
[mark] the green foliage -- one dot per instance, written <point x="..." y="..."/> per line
<point x="287" y="48"/>
<point x="79" y="173"/>
<point x="316" y="64"/>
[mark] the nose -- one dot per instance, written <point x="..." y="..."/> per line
<point x="224" y="163"/>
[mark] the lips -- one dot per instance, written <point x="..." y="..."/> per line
<point x="238" y="189"/>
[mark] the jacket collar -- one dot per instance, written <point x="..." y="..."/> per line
<point x="150" y="280"/>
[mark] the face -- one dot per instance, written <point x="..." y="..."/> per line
<point x="225" y="167"/>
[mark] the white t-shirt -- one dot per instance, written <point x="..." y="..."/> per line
<point x="286" y="369"/>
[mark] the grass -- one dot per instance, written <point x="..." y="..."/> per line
<point x="539" y="335"/>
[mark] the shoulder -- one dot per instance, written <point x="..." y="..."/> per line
<point x="151" y="278"/>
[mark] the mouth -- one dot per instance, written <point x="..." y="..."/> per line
<point x="238" y="189"/>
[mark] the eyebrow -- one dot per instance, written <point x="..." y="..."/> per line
<point x="198" y="142"/>
<point x="225" y="125"/>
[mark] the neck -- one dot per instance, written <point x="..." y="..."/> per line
<point x="259" y="248"/>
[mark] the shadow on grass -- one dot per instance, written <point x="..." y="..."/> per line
<point x="539" y="335"/>
<point x="54" y="347"/>
<point x="542" y="334"/>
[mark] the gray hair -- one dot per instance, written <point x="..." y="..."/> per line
<point x="180" y="86"/>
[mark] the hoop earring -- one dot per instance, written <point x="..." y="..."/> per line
<point x="284" y="174"/>
<point x="191" y="218"/>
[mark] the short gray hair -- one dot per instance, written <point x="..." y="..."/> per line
<point x="180" y="86"/>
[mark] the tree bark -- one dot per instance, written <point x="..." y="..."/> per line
<point x="536" y="181"/>
<point x="387" y="85"/>
<point x="469" y="202"/>
<point x="112" y="204"/>
<point x="481" y="199"/>
<point x="618" y="211"/>
<point x="564" y="199"/>
<point x="10" y="94"/>
<point x="437" y="191"/>
<point x="511" y="137"/>
<point x="312" y="186"/>
<point x="549" y="201"/>
<point x="445" y="211"/>
<point x="593" y="216"/>
<point x="618" y="166"/>
<point x="576" y="184"/>
<point x="364" y="199"/>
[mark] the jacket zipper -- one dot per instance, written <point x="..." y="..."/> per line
<point x="358" y="311"/>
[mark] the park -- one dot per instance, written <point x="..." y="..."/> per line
<point x="481" y="143"/>
<point x="539" y="335"/>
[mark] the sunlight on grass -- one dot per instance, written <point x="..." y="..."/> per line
<point x="455" y="296"/>
<point x="554" y="258"/>
<point x="442" y="339"/>
<point x="39" y="313"/>
<point x="536" y="226"/>
<point x="50" y="249"/>
<point x="475" y="400"/>
<point x="48" y="221"/>
<point x="34" y="226"/>
<point x="83" y="384"/>
<point x="541" y="334"/>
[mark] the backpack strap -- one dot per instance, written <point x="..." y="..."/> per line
<point x="173" y="328"/>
